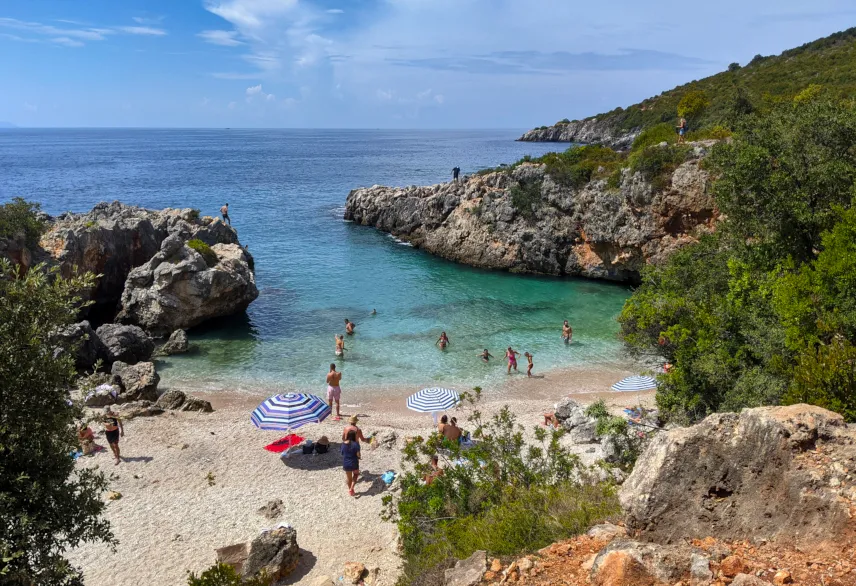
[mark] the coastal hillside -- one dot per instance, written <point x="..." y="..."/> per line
<point x="588" y="212"/>
<point x="829" y="62"/>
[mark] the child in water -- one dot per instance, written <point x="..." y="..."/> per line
<point x="528" y="368"/>
<point x="485" y="356"/>
<point x="443" y="341"/>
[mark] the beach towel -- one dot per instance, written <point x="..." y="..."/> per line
<point x="284" y="443"/>
<point x="388" y="477"/>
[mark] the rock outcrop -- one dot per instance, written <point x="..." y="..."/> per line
<point x="114" y="238"/>
<point x="467" y="572"/>
<point x="774" y="473"/>
<point x="82" y="341"/>
<point x="274" y="552"/>
<point x="589" y="131"/>
<point x="596" y="231"/>
<point x="176" y="344"/>
<point x="136" y="381"/>
<point x="176" y="400"/>
<point x="124" y="343"/>
<point x="177" y="288"/>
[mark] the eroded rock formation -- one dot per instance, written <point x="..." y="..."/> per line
<point x="590" y="131"/>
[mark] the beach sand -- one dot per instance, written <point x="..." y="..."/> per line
<point x="193" y="482"/>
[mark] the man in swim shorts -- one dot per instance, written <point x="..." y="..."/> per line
<point x="334" y="392"/>
<point x="349" y="327"/>
<point x="224" y="211"/>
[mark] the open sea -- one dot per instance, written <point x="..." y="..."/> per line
<point x="286" y="191"/>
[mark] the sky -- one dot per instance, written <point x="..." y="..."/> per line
<point x="373" y="63"/>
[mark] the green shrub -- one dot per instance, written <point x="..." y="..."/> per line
<point x="20" y="217"/>
<point x="658" y="163"/>
<point x="693" y="105"/>
<point x="580" y="164"/>
<point x="526" y="197"/>
<point x="224" y="575"/>
<point x="713" y="133"/>
<point x="207" y="253"/>
<point x="627" y="442"/>
<point x="563" y="122"/>
<point x="654" y="135"/>
<point x="614" y="179"/>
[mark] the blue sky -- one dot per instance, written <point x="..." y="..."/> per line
<point x="373" y="63"/>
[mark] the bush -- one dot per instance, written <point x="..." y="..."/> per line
<point x="654" y="135"/>
<point x="526" y="197"/>
<point x="658" y="163"/>
<point x="224" y="575"/>
<point x="713" y="133"/>
<point x="627" y="442"/>
<point x="207" y="253"/>
<point x="563" y="122"/>
<point x="693" y="105"/>
<point x="20" y="217"/>
<point x="579" y="165"/>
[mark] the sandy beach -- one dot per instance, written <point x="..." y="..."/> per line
<point x="193" y="482"/>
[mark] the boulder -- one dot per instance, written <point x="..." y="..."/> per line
<point x="385" y="438"/>
<point x="467" y="572"/>
<point x="275" y="552"/>
<point x="354" y="572"/>
<point x="176" y="344"/>
<point x="81" y="340"/>
<point x="177" y="289"/>
<point x="138" y="409"/>
<point x="748" y="580"/>
<point x="124" y="343"/>
<point x="618" y="568"/>
<point x="179" y="401"/>
<point x="647" y="563"/>
<point x="700" y="572"/>
<point x="579" y="427"/>
<point x="606" y="531"/>
<point x="733" y="476"/>
<point x="138" y="381"/>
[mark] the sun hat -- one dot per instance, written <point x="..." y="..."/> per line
<point x="323" y="441"/>
<point x="353" y="420"/>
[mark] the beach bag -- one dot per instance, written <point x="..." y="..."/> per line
<point x="322" y="448"/>
<point x="308" y="447"/>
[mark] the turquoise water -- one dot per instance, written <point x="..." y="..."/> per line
<point x="286" y="191"/>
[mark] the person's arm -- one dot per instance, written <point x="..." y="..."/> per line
<point x="361" y="437"/>
<point x="359" y="452"/>
<point x="121" y="427"/>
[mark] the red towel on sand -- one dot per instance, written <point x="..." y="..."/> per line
<point x="283" y="444"/>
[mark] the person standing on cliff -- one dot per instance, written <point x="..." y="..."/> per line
<point x="682" y="130"/>
<point x="455" y="173"/>
<point x="224" y="211"/>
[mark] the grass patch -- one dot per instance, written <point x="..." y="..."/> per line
<point x="207" y="253"/>
<point x="20" y="217"/>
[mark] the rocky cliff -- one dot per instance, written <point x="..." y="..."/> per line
<point x="596" y="231"/>
<point x="589" y="131"/>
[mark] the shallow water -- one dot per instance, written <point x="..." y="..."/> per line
<point x="286" y="190"/>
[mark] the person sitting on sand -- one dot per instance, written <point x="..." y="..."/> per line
<point x="436" y="471"/>
<point x="486" y="356"/>
<point x="352" y="426"/>
<point x="529" y="367"/>
<point x="351" y="460"/>
<point x="567" y="332"/>
<point x="86" y="437"/>
<point x="452" y="432"/>
<point x="334" y="391"/>
<point x="444" y="421"/>
<point x="349" y="327"/>
<point x="511" y="355"/>
<point x="113" y="429"/>
<point x="340" y="345"/>
<point x="443" y="341"/>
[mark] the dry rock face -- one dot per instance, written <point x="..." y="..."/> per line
<point x="124" y="343"/>
<point x="590" y="130"/>
<point x="748" y="475"/>
<point x="176" y="288"/>
<point x="176" y="344"/>
<point x="82" y="341"/>
<point x="114" y="238"/>
<point x="274" y="552"/>
<point x="597" y="231"/>
<point x="137" y="381"/>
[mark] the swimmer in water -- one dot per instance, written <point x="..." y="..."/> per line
<point x="567" y="332"/>
<point x="349" y="327"/>
<point x="340" y="345"/>
<point x="486" y="356"/>
<point x="443" y="341"/>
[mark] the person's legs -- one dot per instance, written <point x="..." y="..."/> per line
<point x="114" y="447"/>
<point x="529" y="371"/>
<point x="348" y="477"/>
<point x="338" y="414"/>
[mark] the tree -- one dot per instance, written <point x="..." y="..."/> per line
<point x="734" y="67"/>
<point x="693" y="105"/>
<point x="47" y="505"/>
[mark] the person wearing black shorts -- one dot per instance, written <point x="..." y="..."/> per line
<point x="113" y="430"/>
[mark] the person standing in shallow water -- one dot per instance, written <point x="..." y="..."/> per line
<point x="443" y="341"/>
<point x="340" y="345"/>
<point x="349" y="327"/>
<point x="530" y="365"/>
<point x="224" y="211"/>
<point x="511" y="355"/>
<point x="334" y="391"/>
<point x="567" y="332"/>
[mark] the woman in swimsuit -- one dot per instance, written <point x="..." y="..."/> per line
<point x="511" y="355"/>
<point x="351" y="460"/>
<point x="340" y="345"/>
<point x="528" y="368"/>
<point x="113" y="429"/>
<point x="443" y="341"/>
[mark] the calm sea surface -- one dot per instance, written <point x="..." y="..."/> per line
<point x="286" y="191"/>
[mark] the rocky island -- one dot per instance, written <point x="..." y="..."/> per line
<point x="524" y="220"/>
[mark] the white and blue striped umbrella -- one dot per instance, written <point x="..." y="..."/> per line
<point x="287" y="412"/>
<point x="431" y="400"/>
<point x="635" y="383"/>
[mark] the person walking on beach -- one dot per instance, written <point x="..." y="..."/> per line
<point x="349" y="327"/>
<point x="340" y="345"/>
<point x="486" y="356"/>
<point x="113" y="429"/>
<point x="351" y="460"/>
<point x="682" y="130"/>
<point x="334" y="391"/>
<point x="443" y="341"/>
<point x="567" y="332"/>
<point x="352" y="426"/>
<point x="224" y="211"/>
<point x="511" y="355"/>
<point x="529" y="367"/>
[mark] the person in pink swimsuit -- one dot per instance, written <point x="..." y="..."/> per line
<point x="334" y="391"/>
<point x="511" y="355"/>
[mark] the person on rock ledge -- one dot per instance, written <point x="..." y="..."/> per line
<point x="224" y="211"/>
<point x="455" y="173"/>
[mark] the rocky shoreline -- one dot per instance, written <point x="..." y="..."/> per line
<point x="588" y="131"/>
<point x="597" y="231"/>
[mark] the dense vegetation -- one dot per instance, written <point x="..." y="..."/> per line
<point x="19" y="218"/>
<point x="47" y="506"/>
<point x="829" y="62"/>
<point x="764" y="311"/>
<point x="206" y="251"/>
<point x="503" y="495"/>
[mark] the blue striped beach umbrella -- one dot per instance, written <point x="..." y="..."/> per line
<point x="287" y="412"/>
<point x="432" y="400"/>
<point x="635" y="383"/>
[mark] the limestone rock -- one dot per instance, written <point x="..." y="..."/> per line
<point x="782" y="577"/>
<point x="700" y="572"/>
<point x="590" y="130"/>
<point x="122" y="343"/>
<point x="102" y="396"/>
<point x="354" y="572"/>
<point x="176" y="344"/>
<point x="176" y="400"/>
<point x="467" y="572"/>
<point x="138" y="381"/>
<point x="618" y="568"/>
<point x="732" y="565"/>
<point x="138" y="409"/>
<point x="607" y="531"/>
<point x="664" y="563"/>
<point x="176" y="289"/>
<point x="322" y="581"/>
<point x="595" y="231"/>
<point x="275" y="551"/>
<point x="580" y="428"/>
<point x="81" y="340"/>
<point x="385" y="438"/>
<point x="733" y="476"/>
<point x="748" y="580"/>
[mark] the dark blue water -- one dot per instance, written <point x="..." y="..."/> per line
<point x="286" y="191"/>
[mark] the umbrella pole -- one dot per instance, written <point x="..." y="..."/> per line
<point x="288" y="449"/>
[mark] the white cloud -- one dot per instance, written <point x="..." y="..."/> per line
<point x="67" y="42"/>
<point x="335" y="11"/>
<point x="250" y="13"/>
<point x="71" y="37"/>
<point x="256" y="92"/>
<point x="384" y="95"/>
<point x="148" y="19"/>
<point x="141" y="30"/>
<point x="31" y="107"/>
<point x="218" y="37"/>
<point x="256" y="89"/>
<point x="439" y="98"/>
